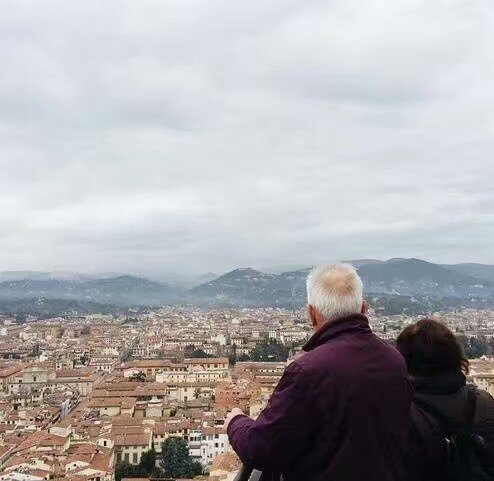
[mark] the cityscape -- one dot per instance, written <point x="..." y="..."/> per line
<point x="95" y="396"/>
<point x="246" y="241"/>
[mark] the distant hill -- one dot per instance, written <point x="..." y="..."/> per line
<point x="479" y="271"/>
<point x="238" y="287"/>
<point x="24" y="275"/>
<point x="407" y="278"/>
<point x="119" y="291"/>
<point x="46" y="308"/>
<point x="417" y="277"/>
<point x="363" y="262"/>
<point x="412" y="285"/>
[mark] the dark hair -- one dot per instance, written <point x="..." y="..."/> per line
<point x="430" y="348"/>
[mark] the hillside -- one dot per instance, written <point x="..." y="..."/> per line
<point x="396" y="277"/>
<point x="412" y="282"/>
<point x="119" y="291"/>
<point x="479" y="271"/>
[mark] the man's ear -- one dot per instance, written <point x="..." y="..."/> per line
<point x="365" y="307"/>
<point x="311" y="312"/>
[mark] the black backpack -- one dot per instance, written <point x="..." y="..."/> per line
<point x="443" y="455"/>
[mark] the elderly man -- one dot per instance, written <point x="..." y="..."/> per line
<point x="341" y="411"/>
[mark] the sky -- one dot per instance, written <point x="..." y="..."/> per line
<point x="182" y="136"/>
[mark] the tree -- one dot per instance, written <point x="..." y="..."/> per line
<point x="145" y="468"/>
<point x="148" y="461"/>
<point x="474" y="347"/>
<point x="176" y="461"/>
<point x="199" y="353"/>
<point x="36" y="351"/>
<point x="190" y="351"/>
<point x="138" y="376"/>
<point x="232" y="358"/>
<point x="125" y="470"/>
<point x="271" y="350"/>
<point x="196" y="469"/>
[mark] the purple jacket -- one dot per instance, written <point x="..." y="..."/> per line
<point x="339" y="413"/>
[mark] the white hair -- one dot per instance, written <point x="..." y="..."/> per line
<point x="335" y="290"/>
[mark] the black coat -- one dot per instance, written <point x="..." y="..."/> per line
<point x="447" y="395"/>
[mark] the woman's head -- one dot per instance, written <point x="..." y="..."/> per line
<point x="431" y="349"/>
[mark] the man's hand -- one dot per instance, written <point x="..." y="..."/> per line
<point x="232" y="414"/>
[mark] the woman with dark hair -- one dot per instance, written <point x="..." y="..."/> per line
<point x="445" y="406"/>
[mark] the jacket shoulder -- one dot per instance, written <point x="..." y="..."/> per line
<point x="484" y="408"/>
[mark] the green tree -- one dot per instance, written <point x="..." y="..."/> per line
<point x="125" y="470"/>
<point x="146" y="467"/>
<point x="474" y="347"/>
<point x="138" y="376"/>
<point x="36" y="351"/>
<point x="176" y="461"/>
<point x="271" y="350"/>
<point x="190" y="351"/>
<point x="232" y="358"/>
<point x="199" y="353"/>
<point x="148" y="461"/>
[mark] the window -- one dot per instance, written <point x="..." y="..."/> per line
<point x="134" y="458"/>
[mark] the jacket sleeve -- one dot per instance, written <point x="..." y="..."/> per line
<point x="280" y="432"/>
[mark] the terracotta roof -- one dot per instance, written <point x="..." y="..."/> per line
<point x="147" y="363"/>
<point x="167" y="427"/>
<point x="16" y="460"/>
<point x="41" y="438"/>
<point x="127" y="421"/>
<point x="8" y="371"/>
<point x="105" y="402"/>
<point x="133" y="439"/>
<point x="207" y="360"/>
<point x="226" y="462"/>
<point x="128" y="430"/>
<point x="78" y="373"/>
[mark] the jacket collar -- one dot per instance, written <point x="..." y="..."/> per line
<point x="447" y="383"/>
<point x="348" y="324"/>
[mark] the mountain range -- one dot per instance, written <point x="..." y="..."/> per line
<point x="413" y="281"/>
<point x="119" y="291"/>
<point x="395" y="277"/>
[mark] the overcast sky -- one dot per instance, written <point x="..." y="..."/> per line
<point x="160" y="136"/>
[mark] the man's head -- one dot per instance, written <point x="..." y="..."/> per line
<point x="333" y="291"/>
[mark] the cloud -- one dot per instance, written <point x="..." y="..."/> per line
<point x="157" y="137"/>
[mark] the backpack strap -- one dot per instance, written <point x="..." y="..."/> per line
<point x="441" y="419"/>
<point x="471" y="407"/>
<point x="434" y="413"/>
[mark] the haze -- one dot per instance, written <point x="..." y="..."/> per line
<point x="195" y="136"/>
